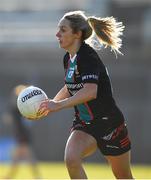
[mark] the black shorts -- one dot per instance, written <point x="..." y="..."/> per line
<point x="113" y="143"/>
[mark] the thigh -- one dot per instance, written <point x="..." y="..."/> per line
<point x="81" y="144"/>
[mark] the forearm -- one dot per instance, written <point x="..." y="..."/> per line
<point x="63" y="100"/>
<point x="87" y="93"/>
<point x="62" y="94"/>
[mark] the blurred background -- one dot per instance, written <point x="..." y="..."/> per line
<point x="29" y="54"/>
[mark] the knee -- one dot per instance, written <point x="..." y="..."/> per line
<point x="123" y="174"/>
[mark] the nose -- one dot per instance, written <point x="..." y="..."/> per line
<point x="58" y="34"/>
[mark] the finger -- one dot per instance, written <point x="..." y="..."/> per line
<point x="42" y="114"/>
<point x="41" y="111"/>
<point x="42" y="105"/>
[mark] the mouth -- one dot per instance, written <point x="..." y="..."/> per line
<point x="59" y="40"/>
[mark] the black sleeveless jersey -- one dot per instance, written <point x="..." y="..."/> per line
<point x="88" y="68"/>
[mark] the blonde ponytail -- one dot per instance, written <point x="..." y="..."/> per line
<point x="108" y="31"/>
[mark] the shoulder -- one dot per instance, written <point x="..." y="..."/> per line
<point x="85" y="49"/>
<point x="88" y="55"/>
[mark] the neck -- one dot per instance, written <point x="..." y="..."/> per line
<point x="74" y="49"/>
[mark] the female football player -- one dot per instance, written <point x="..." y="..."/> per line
<point x="98" y="122"/>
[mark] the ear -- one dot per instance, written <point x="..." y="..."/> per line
<point x="78" y="34"/>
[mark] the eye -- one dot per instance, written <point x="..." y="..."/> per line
<point x="63" y="29"/>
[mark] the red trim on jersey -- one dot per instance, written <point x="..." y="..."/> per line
<point x="124" y="142"/>
<point x="89" y="110"/>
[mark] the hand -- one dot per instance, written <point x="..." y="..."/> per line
<point x="46" y="107"/>
<point x="32" y="118"/>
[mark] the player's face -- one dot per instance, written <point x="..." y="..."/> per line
<point x="65" y="35"/>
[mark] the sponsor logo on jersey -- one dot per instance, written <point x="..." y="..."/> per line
<point x="74" y="86"/>
<point x="114" y="147"/>
<point x="108" y="137"/>
<point x="90" y="76"/>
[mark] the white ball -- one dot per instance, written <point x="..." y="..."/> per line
<point x="29" y="100"/>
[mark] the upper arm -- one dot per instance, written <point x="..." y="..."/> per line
<point x="91" y="88"/>
<point x="90" y="69"/>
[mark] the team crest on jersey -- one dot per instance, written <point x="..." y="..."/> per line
<point x="70" y="74"/>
